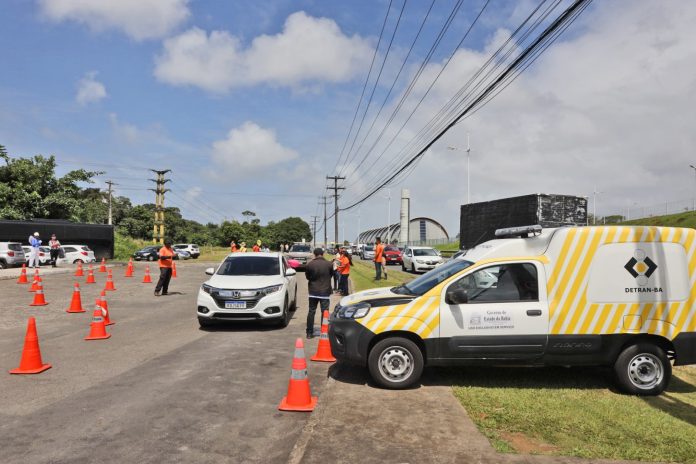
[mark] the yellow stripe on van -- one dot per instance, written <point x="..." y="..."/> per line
<point x="569" y="272"/>
<point x="558" y="266"/>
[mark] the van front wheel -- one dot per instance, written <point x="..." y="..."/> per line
<point x="395" y="363"/>
<point x="643" y="369"/>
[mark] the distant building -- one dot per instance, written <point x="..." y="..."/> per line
<point x="420" y="230"/>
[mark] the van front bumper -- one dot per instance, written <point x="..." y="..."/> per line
<point x="349" y="340"/>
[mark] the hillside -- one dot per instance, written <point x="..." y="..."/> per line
<point x="687" y="219"/>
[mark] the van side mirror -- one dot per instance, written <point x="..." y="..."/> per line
<point x="457" y="297"/>
<point x="210" y="271"/>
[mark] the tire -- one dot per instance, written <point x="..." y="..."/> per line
<point x="395" y="363"/>
<point x="403" y="268"/>
<point x="77" y="261"/>
<point x="285" y="318"/>
<point x="150" y="258"/>
<point x="643" y="369"/>
<point x="3" y="265"/>
<point x="413" y="268"/>
<point x="205" y="323"/>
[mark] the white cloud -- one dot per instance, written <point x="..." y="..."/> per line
<point x="250" y="149"/>
<point x="89" y="89"/>
<point x="308" y="49"/>
<point x="610" y="105"/>
<point x="139" y="19"/>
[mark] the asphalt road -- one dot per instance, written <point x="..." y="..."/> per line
<point x="159" y="390"/>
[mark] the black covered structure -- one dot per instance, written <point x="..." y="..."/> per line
<point x="99" y="237"/>
<point x="479" y="221"/>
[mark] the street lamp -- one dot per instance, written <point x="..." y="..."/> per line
<point x="468" y="178"/>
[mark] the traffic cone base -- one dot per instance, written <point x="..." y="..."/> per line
<point x="146" y="278"/>
<point x="102" y="266"/>
<point x="90" y="277"/>
<point x="109" y="282"/>
<point x="97" y="330"/>
<point x="39" y="299"/>
<point x="323" y="353"/>
<point x="299" y="397"/>
<point x="31" y="362"/>
<point x="23" y="276"/>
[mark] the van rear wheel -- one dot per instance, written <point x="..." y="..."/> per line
<point x="395" y="363"/>
<point x="643" y="369"/>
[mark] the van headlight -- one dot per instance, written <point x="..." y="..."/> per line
<point x="354" y="311"/>
<point x="268" y="290"/>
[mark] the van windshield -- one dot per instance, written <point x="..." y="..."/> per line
<point x="422" y="284"/>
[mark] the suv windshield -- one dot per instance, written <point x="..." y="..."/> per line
<point x="422" y="284"/>
<point x="424" y="252"/>
<point x="300" y="249"/>
<point x="250" y="265"/>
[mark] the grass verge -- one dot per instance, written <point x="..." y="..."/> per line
<point x="576" y="412"/>
<point x="362" y="274"/>
<point x="686" y="219"/>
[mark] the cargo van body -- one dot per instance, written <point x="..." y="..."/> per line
<point x="610" y="296"/>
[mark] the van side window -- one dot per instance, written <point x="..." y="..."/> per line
<point x="502" y="283"/>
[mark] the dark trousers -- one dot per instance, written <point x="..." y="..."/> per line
<point x="378" y="270"/>
<point x="163" y="282"/>
<point x="324" y="306"/>
<point x="54" y="256"/>
<point x="343" y="285"/>
<point x="336" y="280"/>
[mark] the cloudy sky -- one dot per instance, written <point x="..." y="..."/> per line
<point x="250" y="103"/>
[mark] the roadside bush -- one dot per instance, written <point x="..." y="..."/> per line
<point x="125" y="246"/>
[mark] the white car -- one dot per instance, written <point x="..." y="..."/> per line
<point x="44" y="254"/>
<point x="368" y="252"/>
<point x="77" y="254"/>
<point x="192" y="248"/>
<point x="420" y="259"/>
<point x="246" y="287"/>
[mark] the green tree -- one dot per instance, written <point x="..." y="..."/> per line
<point x="30" y="189"/>
<point x="291" y="229"/>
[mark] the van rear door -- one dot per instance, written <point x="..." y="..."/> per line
<point x="505" y="316"/>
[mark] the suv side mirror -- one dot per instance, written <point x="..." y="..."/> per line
<point x="457" y="297"/>
<point x="290" y="272"/>
<point x="210" y="271"/>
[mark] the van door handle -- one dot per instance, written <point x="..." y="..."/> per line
<point x="534" y="312"/>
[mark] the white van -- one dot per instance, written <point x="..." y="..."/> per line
<point x="609" y="296"/>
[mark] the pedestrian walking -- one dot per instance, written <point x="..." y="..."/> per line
<point x="318" y="274"/>
<point x="166" y="260"/>
<point x="344" y="270"/>
<point x="35" y="243"/>
<point x="379" y="254"/>
<point x="54" y="244"/>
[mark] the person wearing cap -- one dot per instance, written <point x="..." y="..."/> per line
<point x="318" y="274"/>
<point x="35" y="243"/>
<point x="54" y="244"/>
<point x="166" y="260"/>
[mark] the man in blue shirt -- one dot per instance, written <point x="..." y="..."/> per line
<point x="35" y="243"/>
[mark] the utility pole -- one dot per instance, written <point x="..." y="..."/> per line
<point x="314" y="231"/>
<point x="324" y="202"/>
<point x="158" y="227"/>
<point x="110" y="184"/>
<point x="594" y="206"/>
<point x="336" y="189"/>
<point x="388" y="197"/>
<point x="693" y="203"/>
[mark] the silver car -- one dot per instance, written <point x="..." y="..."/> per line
<point x="302" y="253"/>
<point x="11" y="254"/>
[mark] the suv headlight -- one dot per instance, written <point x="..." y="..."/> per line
<point x="207" y="288"/>
<point x="354" y="311"/>
<point x="269" y="290"/>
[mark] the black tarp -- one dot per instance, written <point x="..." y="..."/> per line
<point x="98" y="237"/>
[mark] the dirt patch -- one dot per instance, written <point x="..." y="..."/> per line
<point x="527" y="445"/>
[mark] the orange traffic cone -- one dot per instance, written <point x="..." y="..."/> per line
<point x="76" y="302"/>
<point x="109" y="282"/>
<point x="79" y="272"/>
<point x="35" y="283"/>
<point x="299" y="397"/>
<point x="101" y="301"/>
<point x="146" y="277"/>
<point x="173" y="270"/>
<point x="102" y="268"/>
<point x="31" y="362"/>
<point x="323" y="353"/>
<point x="39" y="299"/>
<point x="97" y="330"/>
<point x="23" y="276"/>
<point x="90" y="276"/>
<point x="129" y="269"/>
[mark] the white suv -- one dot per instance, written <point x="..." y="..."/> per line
<point x="11" y="254"/>
<point x="248" y="287"/>
<point x="418" y="259"/>
<point x="192" y="248"/>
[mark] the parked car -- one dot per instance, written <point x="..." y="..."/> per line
<point x="392" y="255"/>
<point x="44" y="254"/>
<point x="419" y="259"/>
<point x="248" y="287"/>
<point x="181" y="254"/>
<point x="77" y="254"/>
<point x="367" y="252"/>
<point x="302" y="253"/>
<point x="11" y="254"/>
<point x="149" y="253"/>
<point x="192" y="248"/>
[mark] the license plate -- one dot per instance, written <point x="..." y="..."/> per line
<point x="235" y="304"/>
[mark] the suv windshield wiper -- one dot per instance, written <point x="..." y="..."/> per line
<point x="402" y="290"/>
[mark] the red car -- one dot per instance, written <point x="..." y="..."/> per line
<point x="392" y="254"/>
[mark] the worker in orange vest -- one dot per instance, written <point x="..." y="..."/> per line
<point x="344" y="270"/>
<point x="379" y="253"/>
<point x="257" y="246"/>
<point x="233" y="247"/>
<point x="166" y="257"/>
